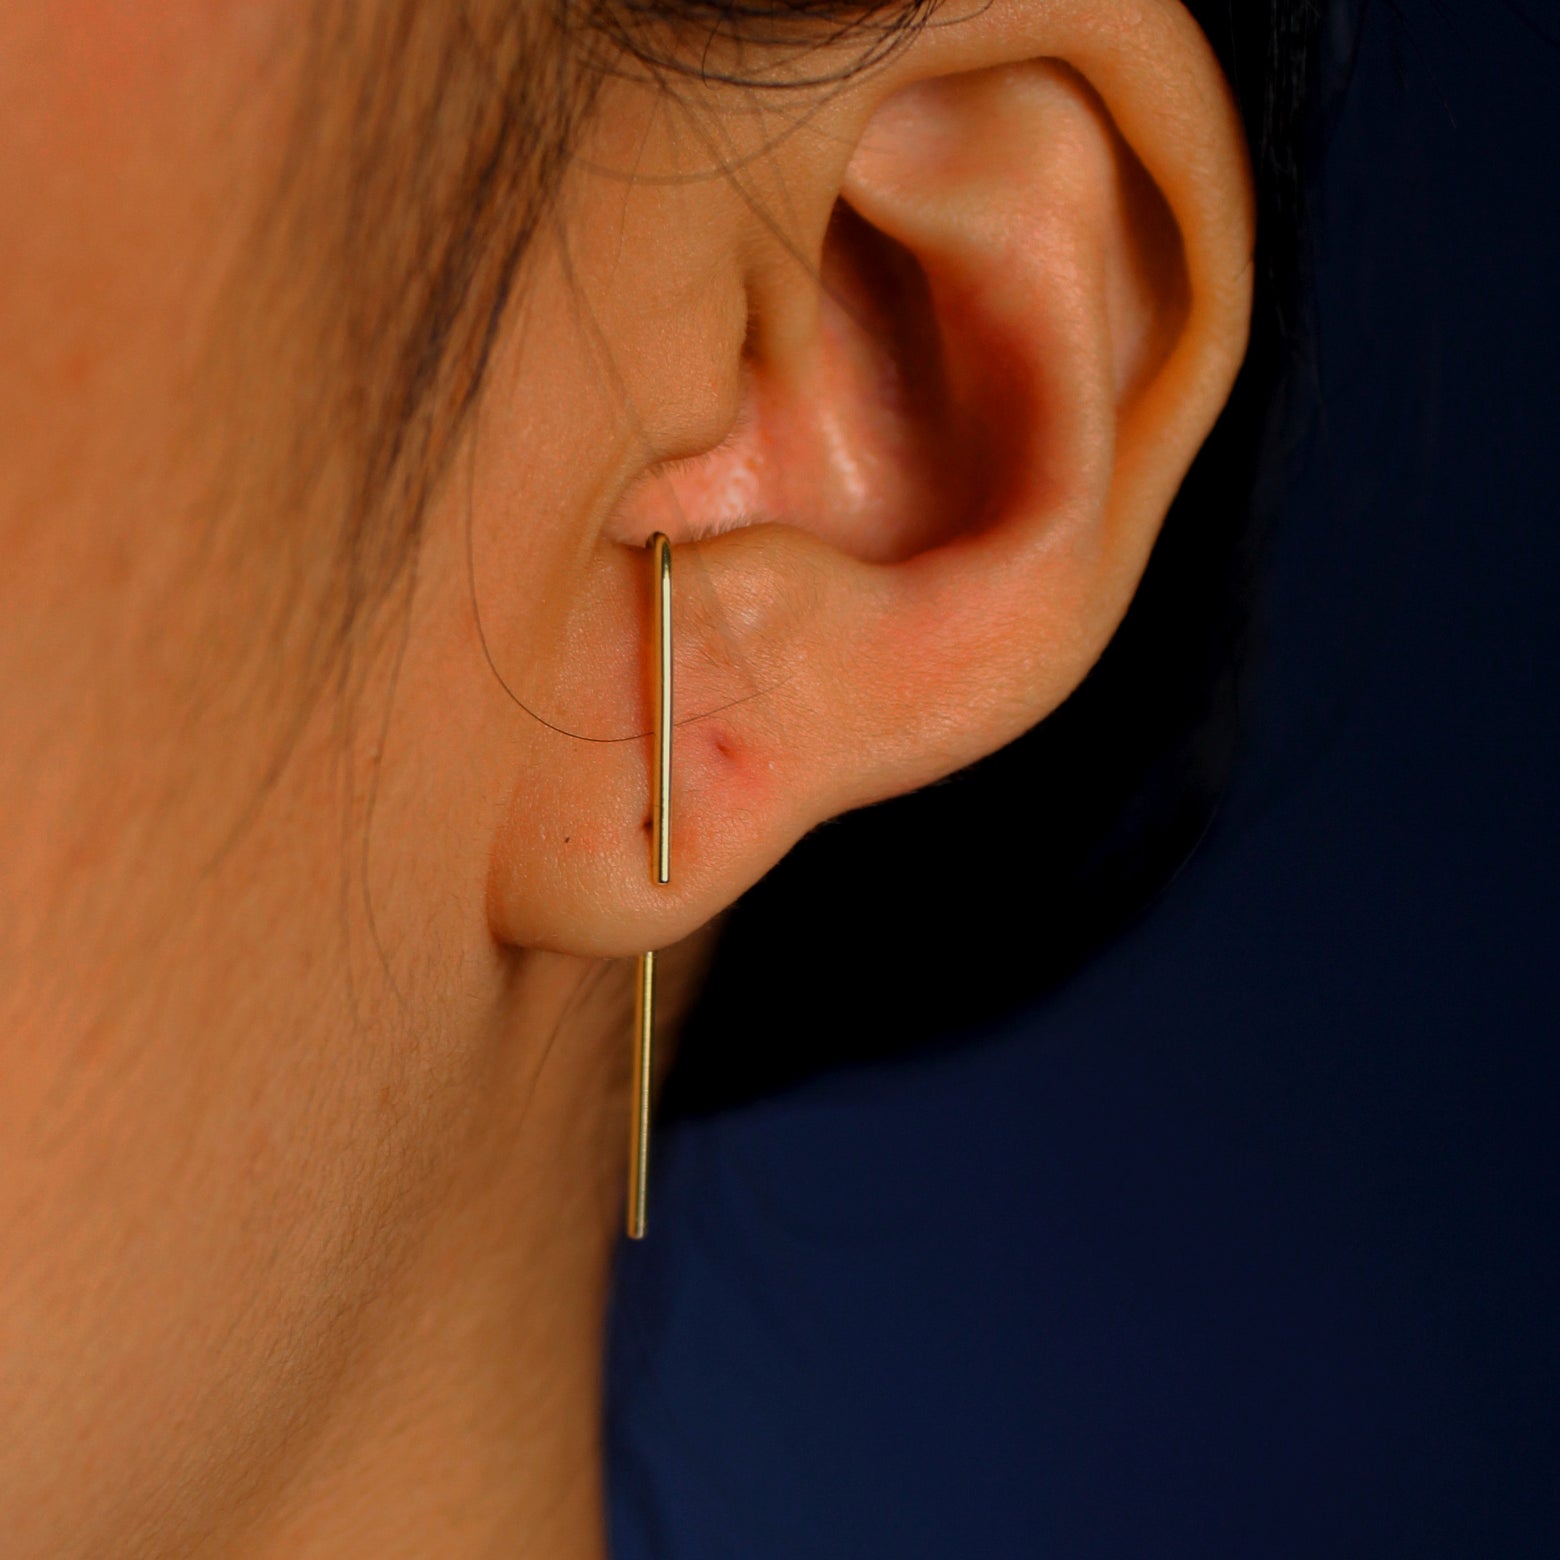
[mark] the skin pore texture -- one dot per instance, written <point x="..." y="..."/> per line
<point x="314" y="998"/>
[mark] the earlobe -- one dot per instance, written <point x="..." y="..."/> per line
<point x="949" y="476"/>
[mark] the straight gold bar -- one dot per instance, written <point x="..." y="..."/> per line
<point x="661" y="800"/>
<point x="639" y="1119"/>
<point x="660" y="872"/>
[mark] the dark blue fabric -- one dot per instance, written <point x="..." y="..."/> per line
<point x="1244" y="1243"/>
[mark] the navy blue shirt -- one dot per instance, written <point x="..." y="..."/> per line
<point x="1243" y="1242"/>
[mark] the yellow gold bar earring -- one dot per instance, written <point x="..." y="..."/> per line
<point x="660" y="872"/>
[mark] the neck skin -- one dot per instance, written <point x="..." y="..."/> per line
<point x="472" y="1423"/>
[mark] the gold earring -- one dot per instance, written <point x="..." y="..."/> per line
<point x="660" y="872"/>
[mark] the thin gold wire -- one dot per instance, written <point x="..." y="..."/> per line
<point x="639" y="1121"/>
<point x="660" y="872"/>
<point x="661" y="637"/>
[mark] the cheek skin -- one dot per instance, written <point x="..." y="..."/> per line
<point x="181" y="1199"/>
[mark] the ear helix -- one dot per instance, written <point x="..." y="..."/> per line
<point x="660" y="872"/>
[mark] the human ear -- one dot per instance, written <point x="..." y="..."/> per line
<point x="1006" y="303"/>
